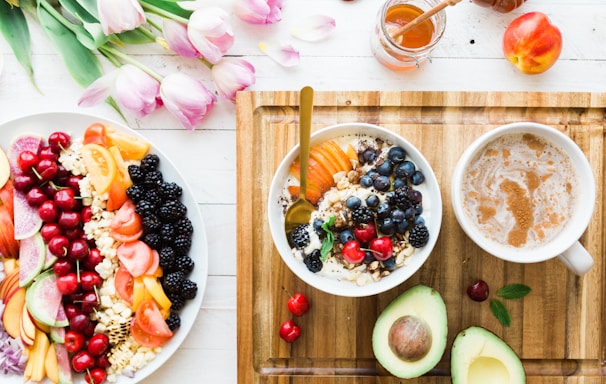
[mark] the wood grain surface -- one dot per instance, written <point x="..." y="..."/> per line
<point x="557" y="330"/>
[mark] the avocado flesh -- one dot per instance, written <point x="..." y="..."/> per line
<point x="480" y="357"/>
<point x="426" y="304"/>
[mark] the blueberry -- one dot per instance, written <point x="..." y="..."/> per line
<point x="419" y="220"/>
<point x="397" y="215"/>
<point x="366" y="181"/>
<point x="387" y="227"/>
<point x="409" y="213"/>
<point x="373" y="173"/>
<point x="396" y="154"/>
<point x="368" y="257"/>
<point x="372" y="201"/>
<point x="418" y="209"/>
<point x="345" y="236"/>
<point x="417" y="178"/>
<point x="385" y="168"/>
<point x="405" y="169"/>
<point x="353" y="202"/>
<point x="416" y="196"/>
<point x="369" y="155"/>
<point x="399" y="183"/>
<point x="317" y="225"/>
<point x="390" y="263"/>
<point x="384" y="210"/>
<point x="382" y="183"/>
<point x="402" y="227"/>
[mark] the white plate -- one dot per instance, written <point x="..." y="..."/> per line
<point x="75" y="124"/>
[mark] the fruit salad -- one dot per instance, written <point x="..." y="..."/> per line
<point x="94" y="250"/>
<point x="369" y="216"/>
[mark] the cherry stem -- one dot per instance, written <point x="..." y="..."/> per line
<point x="286" y="290"/>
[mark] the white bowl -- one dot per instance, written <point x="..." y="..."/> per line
<point x="432" y="213"/>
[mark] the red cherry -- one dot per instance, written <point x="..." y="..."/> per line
<point x="35" y="197"/>
<point x="95" y="375"/>
<point x="102" y="361"/>
<point x="63" y="267"/>
<point x="297" y="304"/>
<point x="80" y="323"/>
<point x="89" y="280"/>
<point x="47" y="169"/>
<point x="50" y="230"/>
<point x="27" y="160"/>
<point x="74" y="341"/>
<point x="59" y="141"/>
<point x="352" y="252"/>
<point x="46" y="153"/>
<point x="82" y="361"/>
<point x="69" y="219"/>
<point x="382" y="248"/>
<point x="72" y="310"/>
<point x="90" y="302"/>
<point x="98" y="344"/>
<point x="23" y="182"/>
<point x="364" y="233"/>
<point x="67" y="284"/>
<point x="48" y="211"/>
<point x="73" y="233"/>
<point x="77" y="250"/>
<point x="58" y="245"/>
<point x="93" y="259"/>
<point x="478" y="291"/>
<point x="65" y="199"/>
<point x="290" y="331"/>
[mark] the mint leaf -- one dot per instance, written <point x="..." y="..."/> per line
<point x="328" y="240"/>
<point x="500" y="312"/>
<point x="513" y="291"/>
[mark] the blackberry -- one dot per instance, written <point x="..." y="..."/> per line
<point x="299" y="237"/>
<point x="151" y="223"/>
<point x="313" y="261"/>
<point x="173" y="282"/>
<point x="173" y="321"/>
<point x="167" y="232"/>
<point x="136" y="174"/>
<point x="184" y="264"/>
<point x="135" y="193"/>
<point x="184" y="227"/>
<point x="418" y="236"/>
<point x="172" y="210"/>
<point x="177" y="302"/>
<point x="153" y="196"/>
<point x="362" y="215"/>
<point x="153" y="240"/>
<point x="145" y="207"/>
<point x="401" y="197"/>
<point x="153" y="179"/>
<point x="189" y="289"/>
<point x="170" y="191"/>
<point x="182" y="244"/>
<point x="167" y="259"/>
<point x="150" y="162"/>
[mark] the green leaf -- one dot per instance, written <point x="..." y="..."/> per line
<point x="13" y="27"/>
<point x="328" y="240"/>
<point x="135" y="36"/>
<point x="81" y="63"/>
<point x="83" y="11"/>
<point x="170" y="6"/>
<point x="514" y="291"/>
<point x="500" y="312"/>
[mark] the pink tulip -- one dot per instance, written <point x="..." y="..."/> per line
<point x="176" y="37"/>
<point x="131" y="88"/>
<point x="233" y="75"/>
<point x="259" y="11"/>
<point x="186" y="98"/>
<point x="119" y="15"/>
<point x="209" y="33"/>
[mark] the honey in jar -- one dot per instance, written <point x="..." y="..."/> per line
<point x="402" y="14"/>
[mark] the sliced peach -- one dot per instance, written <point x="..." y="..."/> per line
<point x="339" y="155"/>
<point x="351" y="153"/>
<point x="316" y="174"/>
<point x="317" y="152"/>
<point x="312" y="194"/>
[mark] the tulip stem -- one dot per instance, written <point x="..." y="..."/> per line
<point x="162" y="12"/>
<point x="116" y="53"/>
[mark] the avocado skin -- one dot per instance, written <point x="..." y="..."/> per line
<point x="479" y="355"/>
<point x="421" y="301"/>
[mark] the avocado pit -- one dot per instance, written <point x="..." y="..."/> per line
<point x="410" y="338"/>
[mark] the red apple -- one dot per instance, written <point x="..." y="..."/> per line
<point x="531" y="43"/>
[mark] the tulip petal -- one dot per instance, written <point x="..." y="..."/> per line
<point x="210" y="33"/>
<point x="259" y="11"/>
<point x="118" y="16"/>
<point x="282" y="53"/>
<point x="313" y="28"/>
<point x="232" y="75"/>
<point x="136" y="91"/>
<point x="176" y="37"/>
<point x="186" y="98"/>
<point x="98" y="90"/>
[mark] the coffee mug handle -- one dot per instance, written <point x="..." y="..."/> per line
<point x="577" y="259"/>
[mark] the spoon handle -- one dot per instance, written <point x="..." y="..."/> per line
<point x="306" y="98"/>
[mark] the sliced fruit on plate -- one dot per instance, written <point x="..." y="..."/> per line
<point x="100" y="165"/>
<point x="131" y="147"/>
<point x="44" y="301"/>
<point x="339" y="157"/>
<point x="5" y="168"/>
<point x="32" y="256"/>
<point x="9" y="283"/>
<point x="25" y="142"/>
<point x="312" y="194"/>
<point x="13" y="311"/>
<point x="27" y="220"/>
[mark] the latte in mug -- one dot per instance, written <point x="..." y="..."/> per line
<point x="519" y="190"/>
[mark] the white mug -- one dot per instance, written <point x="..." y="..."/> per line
<point x="565" y="243"/>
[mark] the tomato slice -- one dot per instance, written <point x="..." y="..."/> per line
<point x="136" y="256"/>
<point x="124" y="283"/>
<point x="145" y="339"/>
<point x="126" y="222"/>
<point x="151" y="320"/>
<point x="95" y="133"/>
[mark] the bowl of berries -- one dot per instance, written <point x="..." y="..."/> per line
<point x="378" y="210"/>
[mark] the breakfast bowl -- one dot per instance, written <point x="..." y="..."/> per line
<point x="378" y="210"/>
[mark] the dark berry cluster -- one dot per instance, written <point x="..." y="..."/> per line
<point x="166" y="228"/>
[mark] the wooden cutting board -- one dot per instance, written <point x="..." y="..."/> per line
<point x="558" y="330"/>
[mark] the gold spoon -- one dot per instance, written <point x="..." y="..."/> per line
<point x="300" y="211"/>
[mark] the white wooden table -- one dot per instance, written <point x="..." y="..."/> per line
<point x="468" y="58"/>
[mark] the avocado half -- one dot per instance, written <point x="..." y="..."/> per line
<point x="409" y="337"/>
<point x="478" y="356"/>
